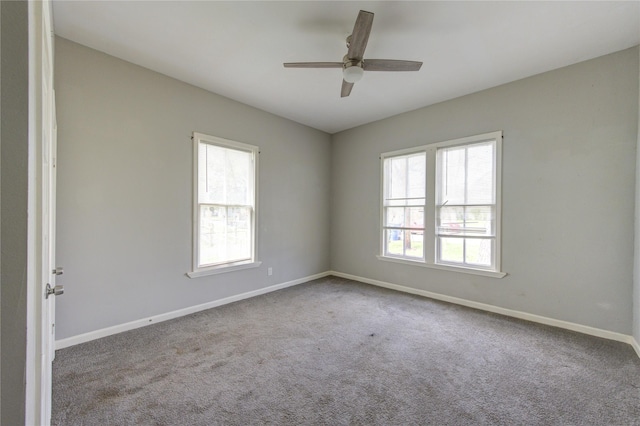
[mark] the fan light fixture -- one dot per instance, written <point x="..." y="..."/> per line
<point x="352" y="73"/>
<point x="353" y="65"/>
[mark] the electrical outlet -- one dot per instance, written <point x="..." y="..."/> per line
<point x="270" y="271"/>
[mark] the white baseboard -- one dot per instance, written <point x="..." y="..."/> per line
<point x="97" y="334"/>
<point x="104" y="332"/>
<point x="636" y="346"/>
<point x="498" y="310"/>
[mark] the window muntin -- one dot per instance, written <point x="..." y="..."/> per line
<point x="451" y="218"/>
<point x="224" y="211"/>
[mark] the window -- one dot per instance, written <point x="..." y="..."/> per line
<point x="404" y="205"/>
<point x="441" y="205"/>
<point x="224" y="205"/>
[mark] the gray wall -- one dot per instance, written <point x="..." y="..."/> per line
<point x="14" y="125"/>
<point x="124" y="192"/>
<point x="568" y="192"/>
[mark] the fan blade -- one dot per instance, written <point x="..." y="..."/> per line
<point x="346" y="89"/>
<point x="313" y="64"/>
<point x="360" y="35"/>
<point x="391" y="65"/>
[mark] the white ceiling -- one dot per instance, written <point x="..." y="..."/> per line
<point x="236" y="48"/>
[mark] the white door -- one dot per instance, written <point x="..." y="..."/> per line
<point x="41" y="306"/>
<point x="49" y="270"/>
<point x="48" y="221"/>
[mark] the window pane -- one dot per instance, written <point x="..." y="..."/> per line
<point x="211" y="174"/>
<point x="404" y="243"/>
<point x="416" y="176"/>
<point x="478" y="251"/>
<point x="224" y="175"/>
<point x="451" y="249"/>
<point x="473" y="220"/>
<point x="238" y="175"/>
<point x="238" y="233"/>
<point x="451" y="220"/>
<point x="416" y="217"/>
<point x="395" y="216"/>
<point x="404" y="217"/>
<point x="393" y="242"/>
<point x="398" y="177"/>
<point x="480" y="175"/>
<point x="452" y="175"/>
<point x="213" y="220"/>
<point x="224" y="234"/>
<point x="405" y="179"/>
<point x="479" y="220"/>
<point x="413" y="244"/>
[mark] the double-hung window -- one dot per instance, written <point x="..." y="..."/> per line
<point x="404" y="205"/>
<point x="224" y="205"/>
<point x="441" y="205"/>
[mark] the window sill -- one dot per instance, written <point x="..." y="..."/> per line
<point x="221" y="269"/>
<point x="472" y="271"/>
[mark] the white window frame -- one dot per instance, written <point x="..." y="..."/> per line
<point x="431" y="209"/>
<point x="197" y="270"/>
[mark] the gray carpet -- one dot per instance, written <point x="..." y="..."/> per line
<point x="334" y="351"/>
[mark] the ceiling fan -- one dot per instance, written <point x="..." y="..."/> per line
<point x="353" y="65"/>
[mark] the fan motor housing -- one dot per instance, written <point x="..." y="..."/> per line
<point x="347" y="63"/>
